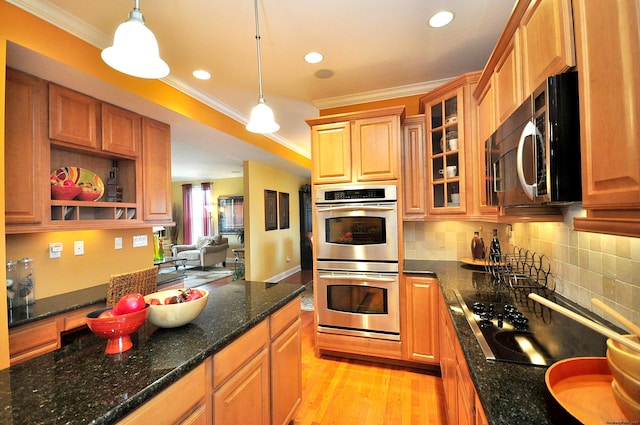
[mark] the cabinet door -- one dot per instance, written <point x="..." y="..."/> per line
<point x="286" y="374"/>
<point x="73" y="117"/>
<point x="26" y="149"/>
<point x="445" y="152"/>
<point x="448" y="362"/>
<point x="414" y="168"/>
<point x="32" y="340"/>
<point x="244" y="398"/>
<point x="331" y="152"/>
<point x="608" y="52"/>
<point x="507" y="81"/>
<point x="156" y="166"/>
<point x="376" y="148"/>
<point x="120" y="131"/>
<point x="547" y="41"/>
<point x="422" y="321"/>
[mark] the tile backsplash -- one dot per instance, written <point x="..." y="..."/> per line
<point x="584" y="265"/>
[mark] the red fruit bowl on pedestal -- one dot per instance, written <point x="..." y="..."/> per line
<point x="117" y="330"/>
<point x="65" y="193"/>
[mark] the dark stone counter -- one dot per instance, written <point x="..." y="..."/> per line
<point x="510" y="393"/>
<point x="52" y="306"/>
<point x="80" y="384"/>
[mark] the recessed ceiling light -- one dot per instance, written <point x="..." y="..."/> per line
<point x="313" y="57"/>
<point x="324" y="73"/>
<point x="201" y="74"/>
<point x="441" y="19"/>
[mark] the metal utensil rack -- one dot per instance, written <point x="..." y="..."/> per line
<point x="521" y="270"/>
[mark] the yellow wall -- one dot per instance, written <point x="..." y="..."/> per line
<point x="267" y="251"/>
<point x="69" y="273"/>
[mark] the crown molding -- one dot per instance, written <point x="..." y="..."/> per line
<point x="376" y="95"/>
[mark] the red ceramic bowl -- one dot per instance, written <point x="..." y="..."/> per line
<point x="65" y="193"/>
<point x="88" y="196"/>
<point x="117" y="329"/>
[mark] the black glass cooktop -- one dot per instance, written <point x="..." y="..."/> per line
<point x="511" y="327"/>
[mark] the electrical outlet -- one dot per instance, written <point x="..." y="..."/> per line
<point x="118" y="243"/>
<point x="78" y="247"/>
<point x="55" y="250"/>
<point x="139" y="240"/>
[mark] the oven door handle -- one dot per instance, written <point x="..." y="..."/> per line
<point x="358" y="208"/>
<point x="361" y="277"/>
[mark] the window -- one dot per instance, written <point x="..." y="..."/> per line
<point x="197" y="220"/>
<point x="230" y="214"/>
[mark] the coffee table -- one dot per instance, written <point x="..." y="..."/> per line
<point x="170" y="262"/>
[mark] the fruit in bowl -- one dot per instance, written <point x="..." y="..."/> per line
<point x="64" y="190"/>
<point x="118" y="323"/>
<point x="176" y="307"/>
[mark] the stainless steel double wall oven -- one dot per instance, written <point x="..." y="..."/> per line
<point x="357" y="261"/>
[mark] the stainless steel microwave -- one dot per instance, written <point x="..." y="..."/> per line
<point x="533" y="158"/>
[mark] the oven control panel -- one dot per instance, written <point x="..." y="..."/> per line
<point x="351" y="194"/>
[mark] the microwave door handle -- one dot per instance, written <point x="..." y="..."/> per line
<point x="352" y="208"/>
<point x="529" y="130"/>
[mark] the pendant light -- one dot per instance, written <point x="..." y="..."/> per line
<point x="135" y="49"/>
<point x="261" y="120"/>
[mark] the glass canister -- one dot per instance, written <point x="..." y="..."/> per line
<point x="12" y="282"/>
<point x="26" y="286"/>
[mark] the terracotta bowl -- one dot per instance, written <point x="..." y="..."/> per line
<point x="117" y="329"/>
<point x="88" y="196"/>
<point x="174" y="315"/>
<point x="625" y="358"/>
<point x="65" y="193"/>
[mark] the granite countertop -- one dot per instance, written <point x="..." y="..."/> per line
<point x="510" y="393"/>
<point x="80" y="384"/>
<point x="58" y="304"/>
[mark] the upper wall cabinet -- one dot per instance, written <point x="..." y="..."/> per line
<point x="537" y="42"/>
<point x="26" y="144"/>
<point x="356" y="147"/>
<point x="89" y="142"/>
<point x="414" y="157"/>
<point x="609" y="84"/>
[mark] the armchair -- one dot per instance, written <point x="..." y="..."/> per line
<point x="207" y="251"/>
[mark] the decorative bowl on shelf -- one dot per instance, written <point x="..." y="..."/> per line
<point x="174" y="315"/>
<point x="89" y="196"/>
<point x="117" y="330"/>
<point x="65" y="193"/>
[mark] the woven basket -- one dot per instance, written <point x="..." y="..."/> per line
<point x="141" y="281"/>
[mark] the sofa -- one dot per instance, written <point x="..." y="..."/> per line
<point x="206" y="252"/>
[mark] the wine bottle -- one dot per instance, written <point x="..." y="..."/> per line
<point x="495" y="253"/>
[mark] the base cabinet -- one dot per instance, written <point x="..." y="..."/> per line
<point x="462" y="404"/>
<point x="422" y="319"/>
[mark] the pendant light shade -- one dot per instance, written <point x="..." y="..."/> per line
<point x="261" y="120"/>
<point x="135" y="49"/>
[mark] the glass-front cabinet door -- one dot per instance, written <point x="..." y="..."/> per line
<point x="445" y="143"/>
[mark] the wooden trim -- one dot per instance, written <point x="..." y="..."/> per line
<point x="612" y="226"/>
<point x="328" y="119"/>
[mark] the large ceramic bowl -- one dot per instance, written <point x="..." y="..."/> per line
<point x="629" y="385"/>
<point x="116" y="329"/>
<point x="65" y="193"/>
<point x="630" y="408"/>
<point x="174" y="315"/>
<point x="625" y="358"/>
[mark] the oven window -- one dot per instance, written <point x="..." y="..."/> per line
<point x="357" y="299"/>
<point x="356" y="230"/>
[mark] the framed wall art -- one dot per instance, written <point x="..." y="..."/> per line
<point x="284" y="210"/>
<point x="270" y="210"/>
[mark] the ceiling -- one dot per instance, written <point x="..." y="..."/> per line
<point x="377" y="49"/>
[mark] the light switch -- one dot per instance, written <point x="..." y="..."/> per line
<point x="55" y="250"/>
<point x="118" y="243"/>
<point x="78" y="247"/>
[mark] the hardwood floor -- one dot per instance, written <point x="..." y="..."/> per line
<point x="353" y="392"/>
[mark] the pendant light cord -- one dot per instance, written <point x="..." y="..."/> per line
<point x="258" y="44"/>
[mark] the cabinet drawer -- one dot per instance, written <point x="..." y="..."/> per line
<point x="34" y="339"/>
<point x="283" y="317"/>
<point x="183" y="399"/>
<point x="232" y="357"/>
<point x="77" y="318"/>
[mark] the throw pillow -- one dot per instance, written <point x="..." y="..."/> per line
<point x="217" y="239"/>
<point x="203" y="241"/>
